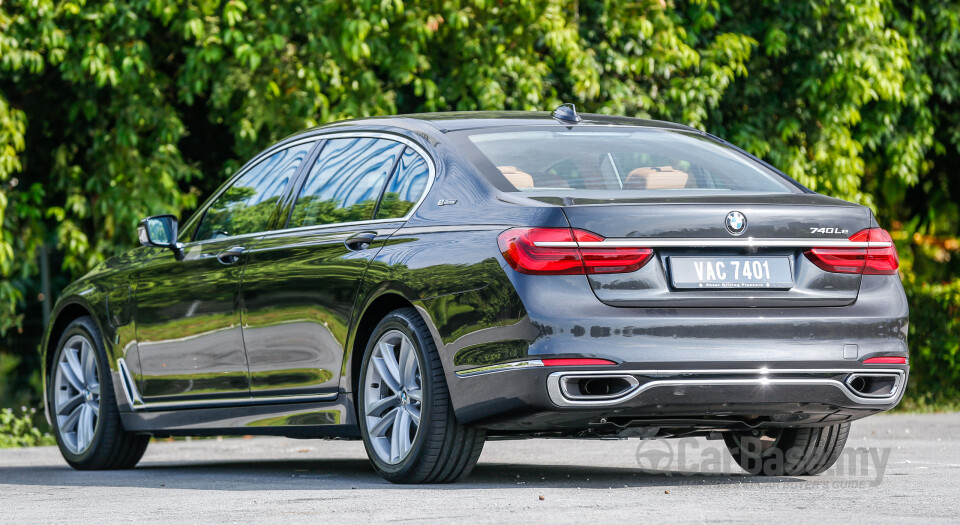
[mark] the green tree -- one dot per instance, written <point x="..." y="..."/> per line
<point x="114" y="110"/>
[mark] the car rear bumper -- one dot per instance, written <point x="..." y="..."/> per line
<point x="744" y="366"/>
<point x="530" y="398"/>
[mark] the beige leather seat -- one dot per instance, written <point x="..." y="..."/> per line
<point x="656" y="178"/>
<point x="519" y="179"/>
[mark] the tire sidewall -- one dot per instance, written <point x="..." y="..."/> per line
<point x="400" y="322"/>
<point x="85" y="327"/>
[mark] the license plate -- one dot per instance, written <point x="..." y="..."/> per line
<point x="731" y="272"/>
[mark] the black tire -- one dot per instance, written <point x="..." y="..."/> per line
<point x="443" y="450"/>
<point x="804" y="451"/>
<point x="112" y="448"/>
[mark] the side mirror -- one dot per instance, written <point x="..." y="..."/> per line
<point x="160" y="231"/>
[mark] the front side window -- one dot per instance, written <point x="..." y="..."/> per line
<point x="247" y="205"/>
<point x="345" y="183"/>
<point x="644" y="161"/>
<point x="405" y="186"/>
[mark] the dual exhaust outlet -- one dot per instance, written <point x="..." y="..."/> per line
<point x="571" y="388"/>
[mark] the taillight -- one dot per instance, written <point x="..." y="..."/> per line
<point x="556" y="251"/>
<point x="867" y="260"/>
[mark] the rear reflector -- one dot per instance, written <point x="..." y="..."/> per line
<point x="518" y="246"/>
<point x="576" y="362"/>
<point x="871" y="260"/>
<point x="885" y="361"/>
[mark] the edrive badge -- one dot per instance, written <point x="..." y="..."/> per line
<point x="736" y="223"/>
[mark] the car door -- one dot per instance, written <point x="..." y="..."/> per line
<point x="300" y="282"/>
<point x="188" y="316"/>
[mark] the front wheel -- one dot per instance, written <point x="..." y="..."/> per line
<point x="409" y="429"/>
<point x="804" y="451"/>
<point x="83" y="406"/>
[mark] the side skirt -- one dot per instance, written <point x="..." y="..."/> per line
<point x="335" y="418"/>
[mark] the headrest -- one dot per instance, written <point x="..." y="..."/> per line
<point x="662" y="178"/>
<point x="519" y="179"/>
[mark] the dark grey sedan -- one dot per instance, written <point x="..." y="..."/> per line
<point x="428" y="282"/>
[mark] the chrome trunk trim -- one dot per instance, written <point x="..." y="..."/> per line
<point x="748" y="242"/>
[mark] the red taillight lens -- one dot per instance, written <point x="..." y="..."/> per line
<point x="881" y="260"/>
<point x="872" y="260"/>
<point x="519" y="247"/>
<point x="610" y="260"/>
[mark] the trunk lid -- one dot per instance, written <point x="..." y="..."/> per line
<point x="693" y="232"/>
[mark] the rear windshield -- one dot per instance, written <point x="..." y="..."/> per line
<point x="632" y="160"/>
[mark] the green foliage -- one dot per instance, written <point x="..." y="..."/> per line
<point x="935" y="343"/>
<point x="19" y="431"/>
<point x="114" y="110"/>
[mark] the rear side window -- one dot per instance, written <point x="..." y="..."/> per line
<point x="345" y="183"/>
<point x="649" y="161"/>
<point x="247" y="205"/>
<point x="405" y="186"/>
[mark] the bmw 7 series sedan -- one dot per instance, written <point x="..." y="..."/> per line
<point x="424" y="283"/>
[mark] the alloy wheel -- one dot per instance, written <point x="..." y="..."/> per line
<point x="393" y="397"/>
<point x="77" y="395"/>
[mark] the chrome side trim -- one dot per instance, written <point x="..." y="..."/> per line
<point x="238" y="401"/>
<point x="556" y="395"/>
<point x="129" y="385"/>
<point x="748" y="242"/>
<point x="502" y="367"/>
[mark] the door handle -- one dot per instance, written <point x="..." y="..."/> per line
<point x="360" y="241"/>
<point x="230" y="255"/>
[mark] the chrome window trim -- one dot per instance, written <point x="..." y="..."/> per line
<point x="230" y="182"/>
<point x="431" y="178"/>
<point x="748" y="242"/>
<point x="329" y="226"/>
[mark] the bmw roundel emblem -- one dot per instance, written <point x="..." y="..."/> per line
<point x="736" y="223"/>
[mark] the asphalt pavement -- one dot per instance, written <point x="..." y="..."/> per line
<point x="897" y="468"/>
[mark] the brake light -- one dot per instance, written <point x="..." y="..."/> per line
<point x="869" y="260"/>
<point x="559" y="252"/>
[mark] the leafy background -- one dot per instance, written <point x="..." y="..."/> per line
<point x="111" y="111"/>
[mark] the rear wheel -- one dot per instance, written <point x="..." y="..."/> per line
<point x="409" y="429"/>
<point x="83" y="406"/>
<point x="789" y="451"/>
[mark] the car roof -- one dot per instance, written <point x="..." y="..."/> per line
<point x="463" y="120"/>
<point x="451" y="121"/>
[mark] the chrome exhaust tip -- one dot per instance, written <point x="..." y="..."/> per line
<point x="873" y="384"/>
<point x="605" y="387"/>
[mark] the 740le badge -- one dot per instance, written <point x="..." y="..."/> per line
<point x="827" y="231"/>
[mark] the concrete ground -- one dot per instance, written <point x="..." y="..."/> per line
<point x="896" y="468"/>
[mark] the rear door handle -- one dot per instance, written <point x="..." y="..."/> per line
<point x="230" y="255"/>
<point x="360" y="241"/>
